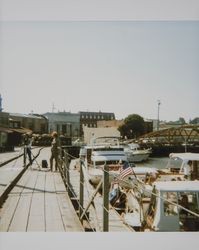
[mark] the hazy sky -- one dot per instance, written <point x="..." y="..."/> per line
<point x="113" y="66"/>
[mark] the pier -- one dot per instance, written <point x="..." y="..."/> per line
<point x="38" y="202"/>
<point x="34" y="199"/>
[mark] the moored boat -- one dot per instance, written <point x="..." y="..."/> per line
<point x="135" y="154"/>
<point x="106" y="152"/>
<point x="166" y="206"/>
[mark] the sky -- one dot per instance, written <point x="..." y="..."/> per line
<point x="120" y="66"/>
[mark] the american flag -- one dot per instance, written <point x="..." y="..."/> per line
<point x="125" y="170"/>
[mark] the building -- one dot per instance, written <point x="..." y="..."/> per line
<point x="148" y="124"/>
<point x="65" y="123"/>
<point x="92" y="133"/>
<point x="111" y="123"/>
<point x="4" y="129"/>
<point x="90" y="119"/>
<point x="38" y="124"/>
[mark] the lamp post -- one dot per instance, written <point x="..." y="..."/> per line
<point x="158" y="114"/>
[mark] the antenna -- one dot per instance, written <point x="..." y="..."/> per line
<point x="158" y="114"/>
<point x="1" y="109"/>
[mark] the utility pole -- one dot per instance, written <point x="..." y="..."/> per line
<point x="158" y="115"/>
<point x="1" y="109"/>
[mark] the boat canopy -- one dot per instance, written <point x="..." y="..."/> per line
<point x="177" y="186"/>
<point x="185" y="157"/>
<point x="145" y="170"/>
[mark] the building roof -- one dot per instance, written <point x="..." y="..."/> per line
<point x="94" y="112"/>
<point x="63" y="117"/>
<point x="26" y="115"/>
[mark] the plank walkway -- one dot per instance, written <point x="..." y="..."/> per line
<point x="39" y="203"/>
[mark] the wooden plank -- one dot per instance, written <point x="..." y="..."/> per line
<point x="19" y="221"/>
<point x="58" y="182"/>
<point x="36" y="220"/>
<point x="9" y="208"/>
<point x="7" y="211"/>
<point x="52" y="213"/>
<point x="69" y="216"/>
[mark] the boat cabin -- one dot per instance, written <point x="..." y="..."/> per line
<point x="178" y="162"/>
<point x="103" y="150"/>
<point x="174" y="206"/>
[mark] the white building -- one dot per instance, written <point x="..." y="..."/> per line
<point x="91" y="133"/>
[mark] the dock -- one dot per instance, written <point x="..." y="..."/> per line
<point x="39" y="202"/>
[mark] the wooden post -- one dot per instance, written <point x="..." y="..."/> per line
<point x="81" y="192"/>
<point x="59" y="159"/>
<point x="106" y="199"/>
<point x="25" y="155"/>
<point x="66" y="169"/>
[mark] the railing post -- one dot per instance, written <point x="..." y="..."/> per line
<point x="59" y="158"/>
<point x="66" y="169"/>
<point x="105" y="199"/>
<point x="25" y="155"/>
<point x="81" y="191"/>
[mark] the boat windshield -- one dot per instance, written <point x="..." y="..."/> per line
<point x="174" y="163"/>
<point x="179" y="204"/>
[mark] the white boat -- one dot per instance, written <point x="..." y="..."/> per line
<point x="102" y="151"/>
<point x="176" y="167"/>
<point x="135" y="154"/>
<point x="170" y="206"/>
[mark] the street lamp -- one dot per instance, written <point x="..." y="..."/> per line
<point x="158" y="114"/>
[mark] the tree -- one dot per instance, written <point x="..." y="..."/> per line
<point x="133" y="126"/>
<point x="182" y="120"/>
<point x="194" y="121"/>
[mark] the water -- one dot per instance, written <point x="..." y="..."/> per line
<point x="154" y="162"/>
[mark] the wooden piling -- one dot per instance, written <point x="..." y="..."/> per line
<point x="105" y="199"/>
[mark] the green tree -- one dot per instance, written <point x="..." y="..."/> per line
<point x="182" y="121"/>
<point x="194" y="121"/>
<point x="133" y="126"/>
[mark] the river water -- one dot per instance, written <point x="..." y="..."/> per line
<point x="154" y="162"/>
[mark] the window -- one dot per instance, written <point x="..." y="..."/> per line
<point x="170" y="203"/>
<point x="64" y="129"/>
<point x="58" y="127"/>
